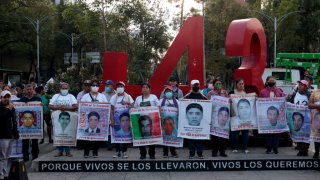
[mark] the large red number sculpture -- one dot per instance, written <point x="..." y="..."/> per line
<point x="246" y="38"/>
<point x="190" y="37"/>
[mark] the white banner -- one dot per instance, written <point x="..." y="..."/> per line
<point x="29" y="117"/>
<point x="146" y="128"/>
<point x="245" y="112"/>
<point x="298" y="118"/>
<point x="93" y="122"/>
<point x="271" y="115"/>
<point x="220" y="124"/>
<point x="65" y="125"/>
<point x="194" y="119"/>
<point x="169" y="121"/>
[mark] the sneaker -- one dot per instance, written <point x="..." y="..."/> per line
<point x="201" y="157"/>
<point x="41" y="142"/>
<point x="299" y="153"/>
<point x="86" y="155"/>
<point x="246" y="151"/>
<point x="191" y="157"/>
<point x="268" y="152"/>
<point x="50" y="141"/>
<point x="117" y="155"/>
<point x="124" y="155"/>
<point x="58" y="154"/>
<point x="214" y="154"/>
<point x="95" y="155"/>
<point x="316" y="156"/>
<point x="69" y="154"/>
<point x="142" y="157"/>
<point x="165" y="156"/>
<point x="234" y="151"/>
<point x="175" y="155"/>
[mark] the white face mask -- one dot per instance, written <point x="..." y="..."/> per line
<point x="120" y="90"/>
<point x="94" y="89"/>
<point x="210" y="86"/>
<point x="64" y="92"/>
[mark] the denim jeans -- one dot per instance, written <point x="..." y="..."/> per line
<point x="62" y="149"/>
<point x="235" y="139"/>
<point x="5" y="151"/>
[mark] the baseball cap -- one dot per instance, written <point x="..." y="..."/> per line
<point x="304" y="82"/>
<point x="5" y="92"/>
<point x="120" y="82"/>
<point x="87" y="82"/>
<point x="167" y="87"/>
<point x="309" y="77"/>
<point x="109" y="82"/>
<point x="195" y="81"/>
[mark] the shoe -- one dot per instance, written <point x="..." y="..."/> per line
<point x="214" y="154"/>
<point x="124" y="155"/>
<point x="234" y="151"/>
<point x="275" y="152"/>
<point x="95" y="155"/>
<point x="58" y="154"/>
<point x="246" y="151"/>
<point x="142" y="157"/>
<point x="223" y="155"/>
<point x="25" y="158"/>
<point x="299" y="153"/>
<point x="191" y="157"/>
<point x="41" y="142"/>
<point x="50" y="141"/>
<point x="165" y="156"/>
<point x="175" y="155"/>
<point x="316" y="156"/>
<point x="152" y="157"/>
<point x="268" y="152"/>
<point x="34" y="157"/>
<point x="201" y="157"/>
<point x="117" y="155"/>
<point x="305" y="154"/>
<point x="69" y="154"/>
<point x="86" y="155"/>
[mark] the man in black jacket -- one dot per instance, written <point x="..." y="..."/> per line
<point x="30" y="97"/>
<point x="8" y="131"/>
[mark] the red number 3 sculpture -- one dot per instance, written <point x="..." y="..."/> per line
<point x="246" y="38"/>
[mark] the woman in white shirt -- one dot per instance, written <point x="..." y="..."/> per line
<point x="146" y="99"/>
<point x="63" y="102"/>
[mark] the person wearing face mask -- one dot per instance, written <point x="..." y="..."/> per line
<point x="219" y="143"/>
<point x="108" y="90"/>
<point x="209" y="87"/>
<point x="120" y="99"/>
<point x="217" y="90"/>
<point x="271" y="91"/>
<point x="63" y="101"/>
<point x="195" y="144"/>
<point x="171" y="101"/>
<point x="86" y="89"/>
<point x="94" y="95"/>
<point x="176" y="91"/>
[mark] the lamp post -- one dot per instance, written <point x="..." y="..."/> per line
<point x="36" y="24"/>
<point x="71" y="39"/>
<point x="276" y="23"/>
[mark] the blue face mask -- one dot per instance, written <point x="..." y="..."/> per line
<point x="168" y="95"/>
<point x="107" y="89"/>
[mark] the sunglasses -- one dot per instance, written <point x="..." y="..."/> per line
<point x="95" y="85"/>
